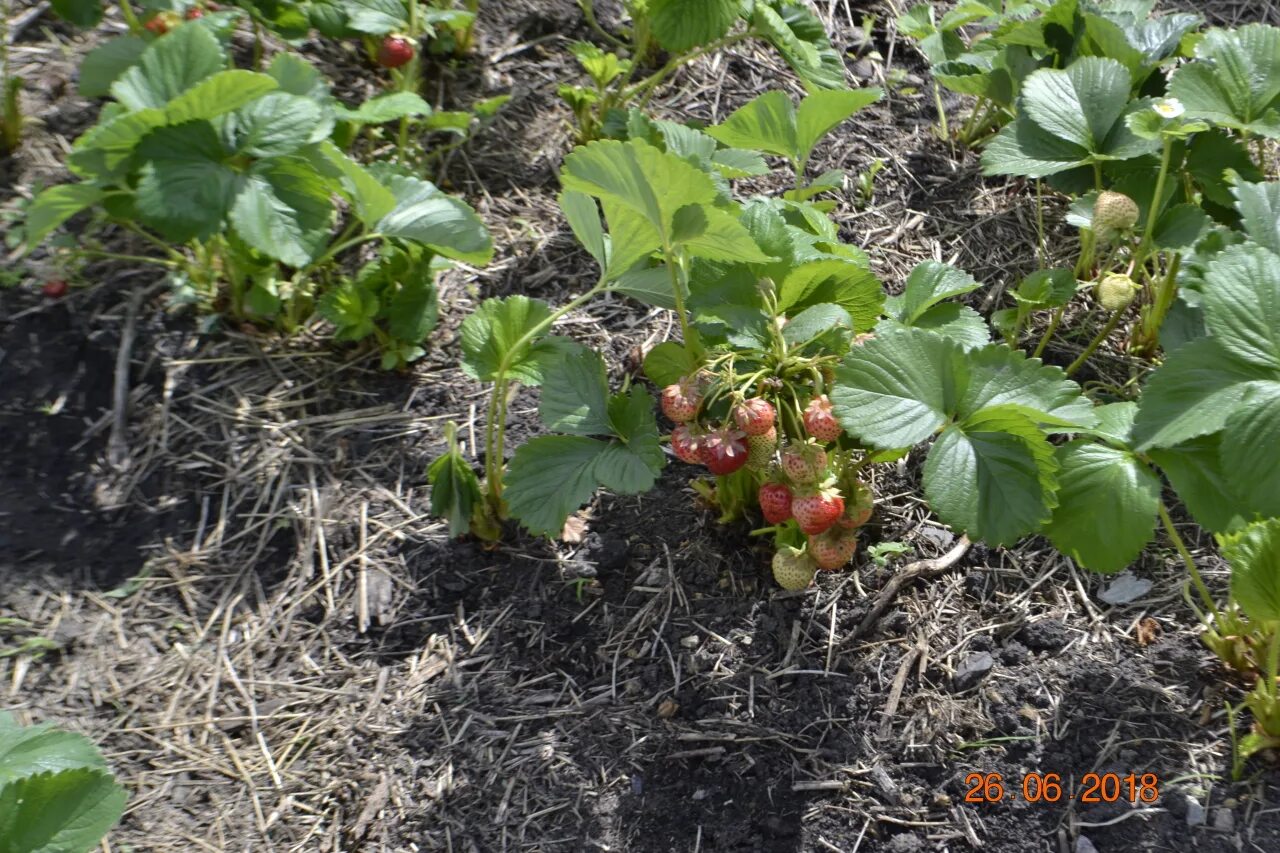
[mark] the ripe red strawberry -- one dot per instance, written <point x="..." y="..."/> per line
<point x="805" y="463"/>
<point x="755" y="416"/>
<point x="775" y="502"/>
<point x="684" y="444"/>
<point x="793" y="569"/>
<point x="194" y="12"/>
<point x="819" y="421"/>
<point x="723" y="450"/>
<point x="817" y="509"/>
<point x="394" y="51"/>
<point x="760" y="449"/>
<point x="680" y="401"/>
<point x="55" y="289"/>
<point x="162" y="22"/>
<point x="833" y="549"/>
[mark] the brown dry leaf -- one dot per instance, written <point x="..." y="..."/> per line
<point x="1148" y="631"/>
<point x="575" y="528"/>
<point x="667" y="708"/>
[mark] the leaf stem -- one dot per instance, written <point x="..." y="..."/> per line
<point x="1048" y="333"/>
<point x="1107" y="329"/>
<point x="1153" y="213"/>
<point x="1187" y="560"/>
<point x="648" y="85"/>
<point x="1149" y="331"/>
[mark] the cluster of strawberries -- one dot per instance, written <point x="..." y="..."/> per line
<point x="801" y="481"/>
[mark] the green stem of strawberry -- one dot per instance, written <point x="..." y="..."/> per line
<point x="1103" y="334"/>
<point x="766" y="531"/>
<point x="1048" y="333"/>
<point x="1153" y="320"/>
<point x="1153" y="212"/>
<point x="131" y="18"/>
<point x="1187" y="560"/>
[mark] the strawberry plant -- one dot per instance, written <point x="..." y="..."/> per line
<point x="687" y="30"/>
<point x="1010" y="40"/>
<point x="56" y="793"/>
<point x="234" y="178"/>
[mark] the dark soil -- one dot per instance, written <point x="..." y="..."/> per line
<point x="644" y="689"/>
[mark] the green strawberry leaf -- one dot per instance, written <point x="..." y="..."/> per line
<point x="851" y="286"/>
<point x="822" y="111"/>
<point x="28" y="750"/>
<point x="668" y="363"/>
<point x="384" y="108"/>
<point x="1199" y="385"/>
<point x="374" y="17"/>
<point x="583" y="215"/>
<point x="186" y="187"/>
<point x="368" y="196"/>
<point x="799" y="35"/>
<point x="413" y="310"/>
<point x="1046" y="288"/>
<point x="1081" y="104"/>
<point x="814" y="321"/>
<point x="424" y="214"/>
<point x="284" y="211"/>
<point x="103" y="65"/>
<point x="897" y="389"/>
<point x="82" y="13"/>
<point x="59" y="812"/>
<point x="351" y="308"/>
<point x="1254" y="555"/>
<point x="958" y="322"/>
<point x="56" y="205"/>
<point x="992" y="475"/>
<point x="1194" y="469"/>
<point x="928" y="284"/>
<point x="1000" y="376"/>
<point x="1242" y="304"/>
<point x="169" y="66"/>
<point x="491" y="333"/>
<point x="575" y="394"/>
<point x="1235" y="80"/>
<point x="224" y="92"/>
<point x="681" y="25"/>
<point x="1254" y="471"/>
<point x="1107" y="502"/>
<point x="455" y="489"/>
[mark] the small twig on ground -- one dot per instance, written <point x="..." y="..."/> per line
<point x="910" y="573"/>
<point x="117" y="444"/>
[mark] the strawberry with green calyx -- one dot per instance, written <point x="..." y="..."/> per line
<point x="1116" y="291"/>
<point x="775" y="502"/>
<point x="820" y="421"/>
<point x="680" y="401"/>
<point x="1114" y="213"/>
<point x="833" y="549"/>
<point x="804" y="464"/>
<point x="817" y="509"/>
<point x="394" y="51"/>
<point x="858" y="506"/>
<point x="755" y="416"/>
<point x="723" y="450"/>
<point x="793" y="569"/>
<point x="760" y="449"/>
<point x="685" y="444"/>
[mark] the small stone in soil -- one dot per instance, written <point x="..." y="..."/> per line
<point x="971" y="671"/>
<point x="1084" y="845"/>
<point x="1195" y="812"/>
<point x="1224" y="820"/>
<point x="1045" y="635"/>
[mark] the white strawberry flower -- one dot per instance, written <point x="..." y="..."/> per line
<point x="1169" y="108"/>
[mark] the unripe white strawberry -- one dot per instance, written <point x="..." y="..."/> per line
<point x="1114" y="212"/>
<point x="793" y="569"/>
<point x="1116" y="291"/>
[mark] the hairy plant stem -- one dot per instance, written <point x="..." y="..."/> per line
<point x="588" y="8"/>
<point x="675" y="270"/>
<point x="130" y="18"/>
<point x="1107" y="329"/>
<point x="1148" y="333"/>
<point x="1048" y="333"/>
<point x="1196" y="579"/>
<point x="1153" y="212"/>
<point x="943" y="131"/>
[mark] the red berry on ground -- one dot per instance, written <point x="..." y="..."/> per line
<point x="775" y="502"/>
<point x="55" y="289"/>
<point x="755" y="416"/>
<point x="819" y="421"/>
<point x="681" y="400"/>
<point x="394" y="51"/>
<point x="724" y="450"/>
<point x="815" y="511"/>
<point x="684" y="444"/>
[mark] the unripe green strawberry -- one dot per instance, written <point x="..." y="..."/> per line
<point x="1114" y="212"/>
<point x="793" y="569"/>
<point x="804" y="464"/>
<point x="1116" y="291"/>
<point x="833" y="549"/>
<point x="760" y="449"/>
